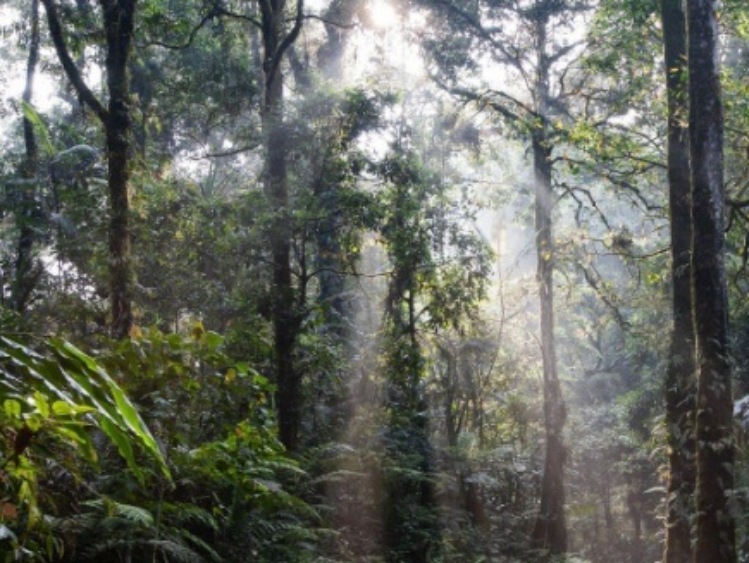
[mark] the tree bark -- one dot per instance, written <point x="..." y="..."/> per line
<point x="25" y="279"/>
<point x="680" y="383"/>
<point x="715" y="523"/>
<point x="118" y="21"/>
<point x="119" y="16"/>
<point x="549" y="531"/>
<point x="285" y="317"/>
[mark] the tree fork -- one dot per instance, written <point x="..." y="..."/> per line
<point x="119" y="16"/>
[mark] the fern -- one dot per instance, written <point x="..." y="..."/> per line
<point x="120" y="511"/>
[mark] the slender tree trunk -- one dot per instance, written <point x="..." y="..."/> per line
<point x="634" y="504"/>
<point x="680" y="384"/>
<point x="329" y="262"/>
<point x="119" y="20"/>
<point x="715" y="523"/>
<point x="24" y="281"/>
<point x="285" y="317"/>
<point x="549" y="531"/>
<point x="411" y="513"/>
<point x="119" y="16"/>
<point x="289" y="385"/>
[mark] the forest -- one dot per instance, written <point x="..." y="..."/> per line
<point x="385" y="281"/>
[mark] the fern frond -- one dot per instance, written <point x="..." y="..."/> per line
<point x="114" y="509"/>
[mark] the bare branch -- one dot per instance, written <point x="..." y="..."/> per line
<point x="482" y="99"/>
<point x="738" y="203"/>
<point x="572" y="192"/>
<point x="593" y="282"/>
<point x="224" y="154"/>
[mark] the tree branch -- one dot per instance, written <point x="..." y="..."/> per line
<point x="228" y="153"/>
<point x="71" y="70"/>
<point x="224" y="12"/>
<point x="290" y="38"/>
<point x="215" y="11"/>
<point x="480" y="99"/>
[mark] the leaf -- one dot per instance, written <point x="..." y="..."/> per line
<point x="8" y="511"/>
<point x="70" y="384"/>
<point x="197" y="331"/>
<point x="76" y="435"/>
<point x="40" y="128"/>
<point x="213" y="340"/>
<point x="41" y="403"/>
<point x="110" y="507"/>
<point x="121" y="440"/>
<point x="33" y="422"/>
<point x="62" y="408"/>
<point x="12" y="408"/>
<point x="123" y="413"/>
<point x="134" y="421"/>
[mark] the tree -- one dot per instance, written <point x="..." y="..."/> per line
<point x="715" y="523"/>
<point x="439" y="273"/>
<point x="410" y="514"/>
<point x="118" y="20"/>
<point x="680" y="372"/>
<point x="540" y="64"/>
<point x="25" y="271"/>
<point x="286" y="318"/>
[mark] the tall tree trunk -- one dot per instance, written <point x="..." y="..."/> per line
<point x="285" y="317"/>
<point x="24" y="281"/>
<point x="549" y="531"/>
<point x="715" y="523"/>
<point x="118" y="21"/>
<point x="680" y="372"/>
<point x="119" y="17"/>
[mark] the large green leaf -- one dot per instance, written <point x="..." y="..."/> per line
<point x="40" y="128"/>
<point x="124" y="410"/>
<point x="74" y="385"/>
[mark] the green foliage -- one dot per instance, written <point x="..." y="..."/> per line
<point x="436" y="260"/>
<point x="233" y="478"/>
<point x="67" y="384"/>
<point x="439" y="272"/>
<point x="449" y="467"/>
<point x="230" y="493"/>
<point x="40" y="128"/>
<point x="54" y="401"/>
<point x="113" y="529"/>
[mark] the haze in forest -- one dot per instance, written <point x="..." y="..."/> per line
<point x="374" y="281"/>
